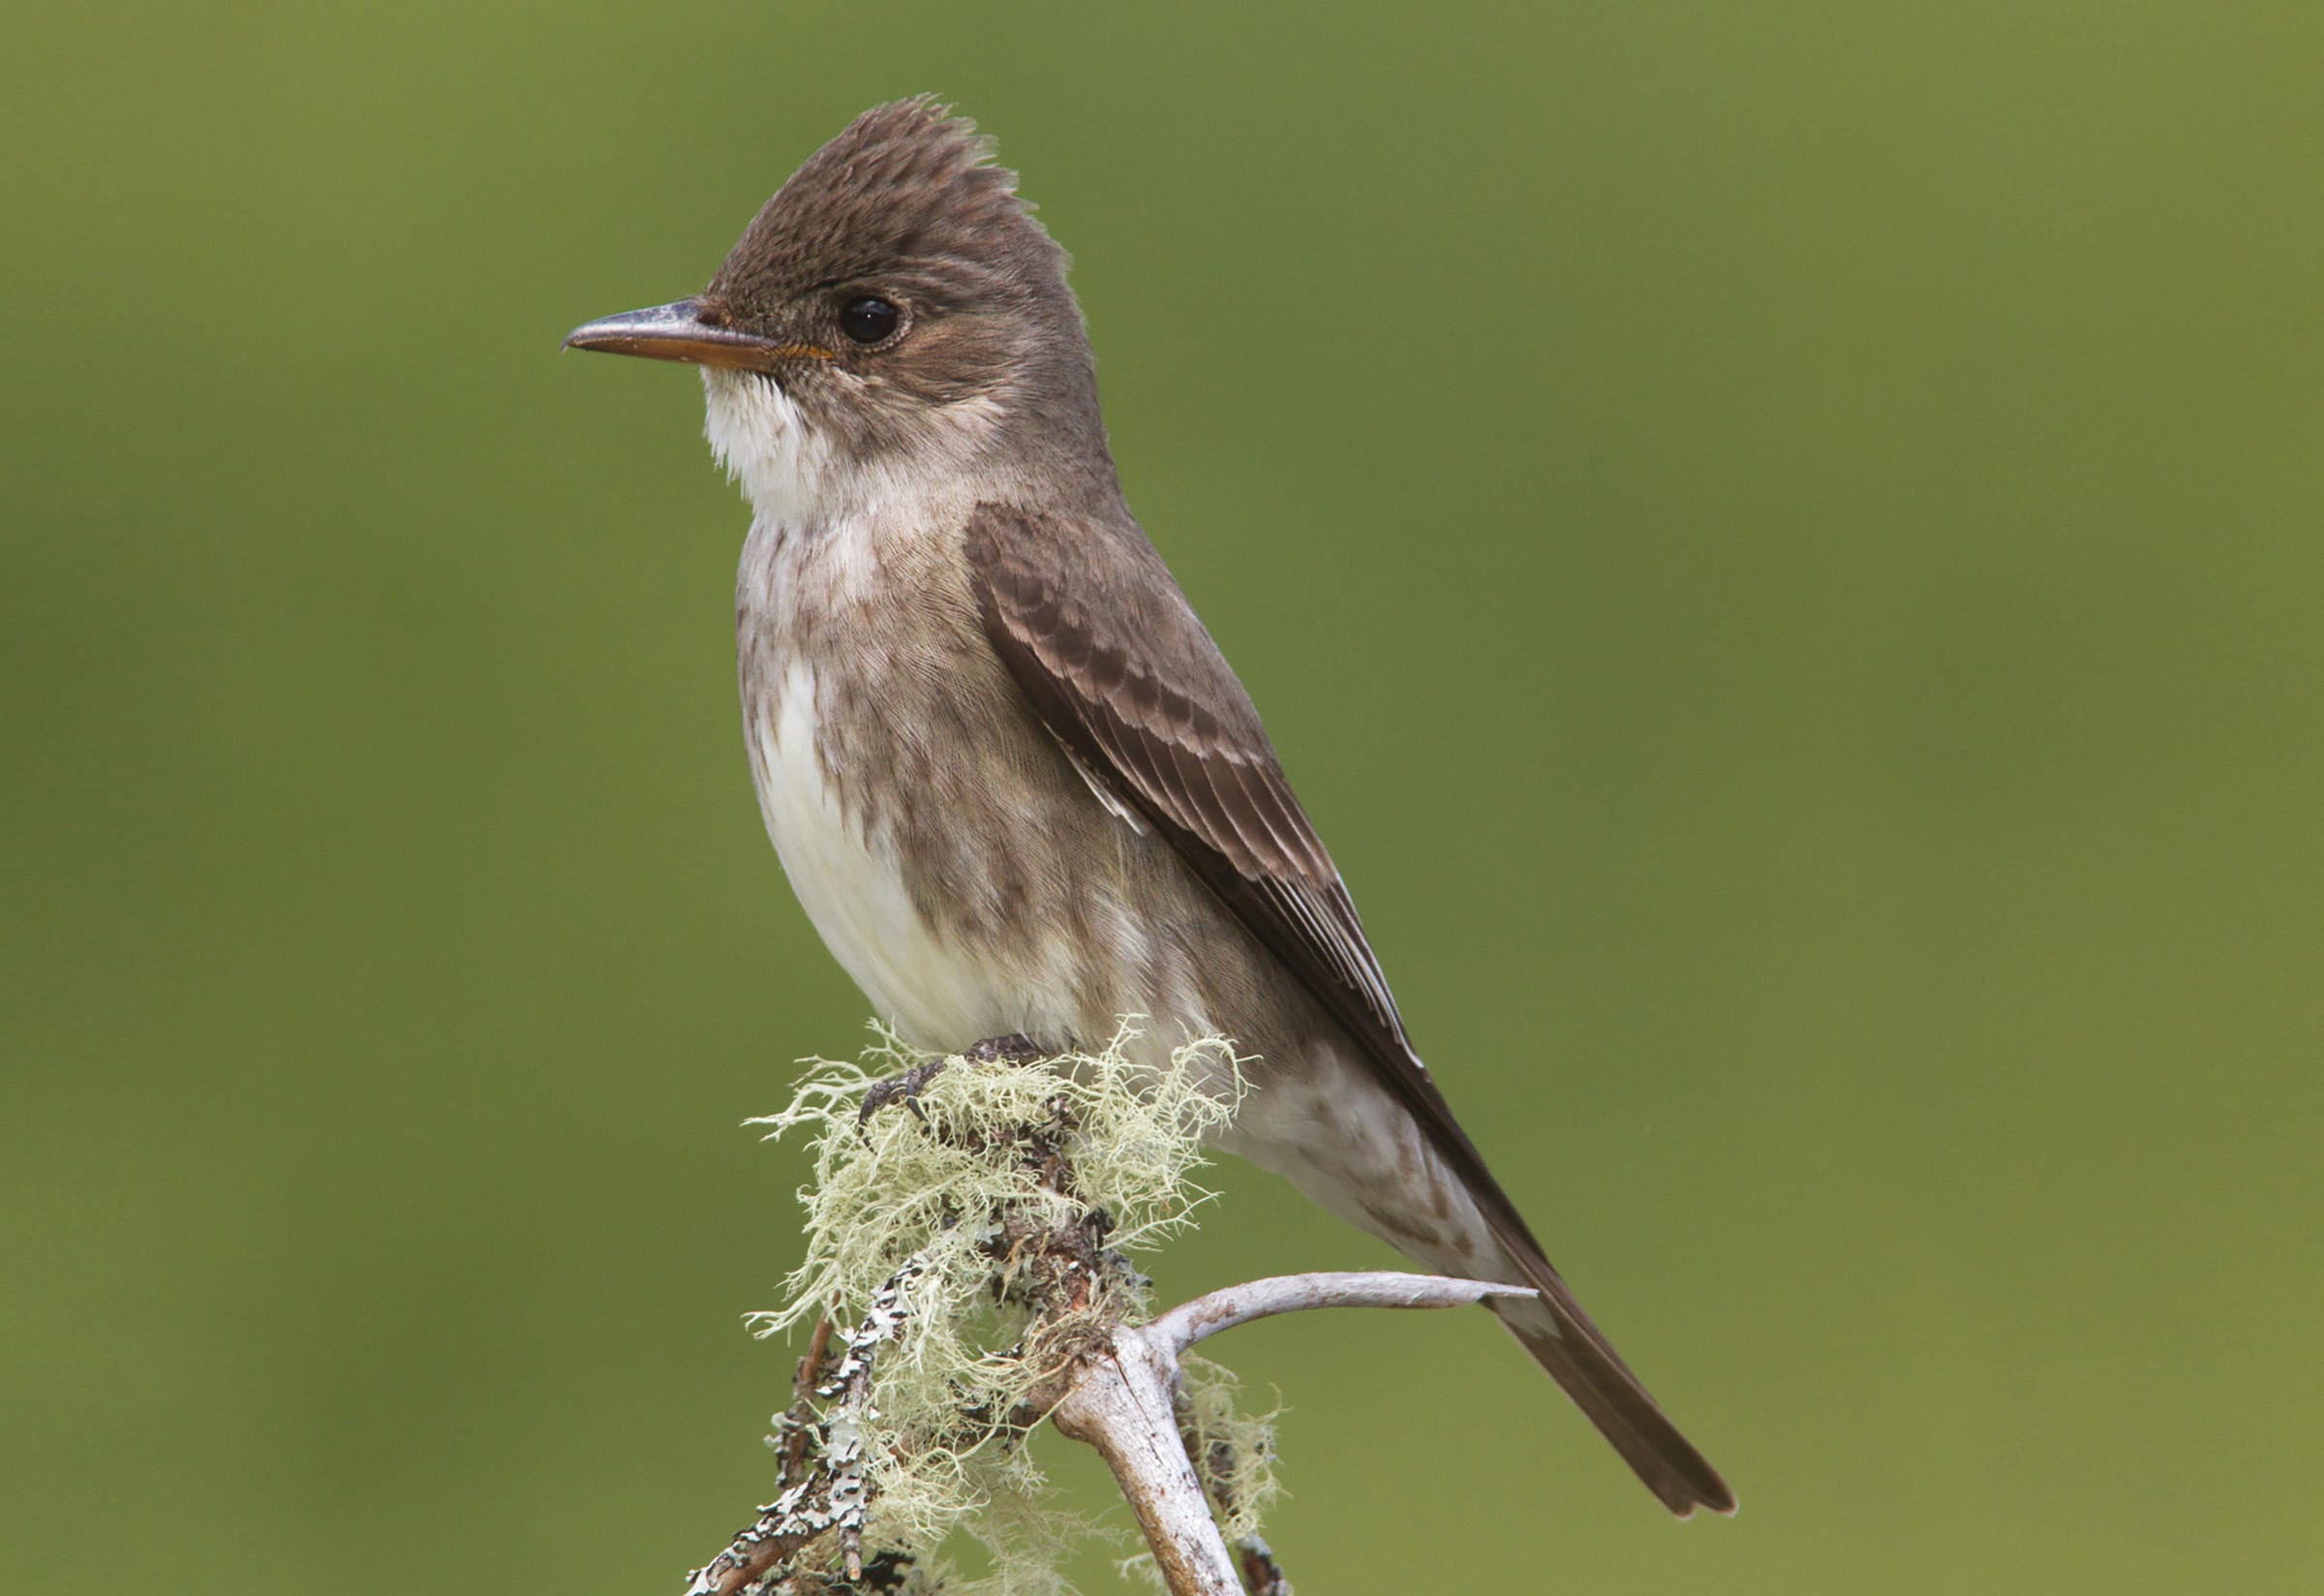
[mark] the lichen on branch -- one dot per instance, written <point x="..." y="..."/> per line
<point x="973" y="1242"/>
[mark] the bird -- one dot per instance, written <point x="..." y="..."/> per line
<point x="1013" y="781"/>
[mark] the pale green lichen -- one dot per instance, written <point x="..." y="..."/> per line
<point x="974" y="1210"/>
<point x="1234" y="1449"/>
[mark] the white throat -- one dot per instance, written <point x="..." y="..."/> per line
<point x="795" y="476"/>
<point x="767" y="445"/>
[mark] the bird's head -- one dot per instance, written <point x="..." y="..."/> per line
<point x="894" y="310"/>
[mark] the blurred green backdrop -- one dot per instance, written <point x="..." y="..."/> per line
<point x="1779" y="542"/>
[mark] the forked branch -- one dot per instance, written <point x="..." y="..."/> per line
<point x="1121" y="1402"/>
<point x="981" y="1247"/>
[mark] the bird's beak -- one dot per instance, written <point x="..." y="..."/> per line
<point x="679" y="332"/>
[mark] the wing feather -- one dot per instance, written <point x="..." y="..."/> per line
<point x="1116" y="665"/>
<point x="1122" y="672"/>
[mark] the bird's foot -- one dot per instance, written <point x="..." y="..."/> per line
<point x="906" y="1086"/>
<point x="1015" y="1048"/>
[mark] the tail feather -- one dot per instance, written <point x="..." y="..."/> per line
<point x="1559" y="1334"/>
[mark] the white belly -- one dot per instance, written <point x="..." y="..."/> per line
<point x="938" y="994"/>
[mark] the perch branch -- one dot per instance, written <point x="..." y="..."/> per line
<point x="1036" y="1167"/>
<point x="1230" y="1306"/>
<point x="1120" y="1403"/>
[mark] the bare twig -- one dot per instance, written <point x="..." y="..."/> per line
<point x="1230" y="1306"/>
<point x="1120" y="1403"/>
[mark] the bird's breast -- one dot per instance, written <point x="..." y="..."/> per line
<point x="956" y="864"/>
<point x="845" y="862"/>
<point x="918" y="809"/>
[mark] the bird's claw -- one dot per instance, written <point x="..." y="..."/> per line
<point x="1015" y="1048"/>
<point x="906" y="1086"/>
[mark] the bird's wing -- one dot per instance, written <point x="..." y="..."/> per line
<point x="1118" y="667"/>
<point x="1114" y="661"/>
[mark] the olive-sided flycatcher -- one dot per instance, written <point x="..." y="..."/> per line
<point x="1013" y="781"/>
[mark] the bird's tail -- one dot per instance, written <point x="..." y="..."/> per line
<point x="1559" y="1334"/>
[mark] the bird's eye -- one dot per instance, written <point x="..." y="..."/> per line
<point x="868" y="320"/>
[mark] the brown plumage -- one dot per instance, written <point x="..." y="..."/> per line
<point x="1015" y="782"/>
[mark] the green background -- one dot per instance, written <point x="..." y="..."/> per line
<point x="1779" y="541"/>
